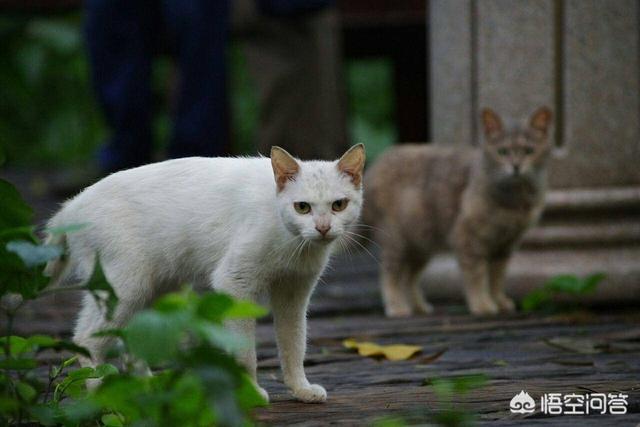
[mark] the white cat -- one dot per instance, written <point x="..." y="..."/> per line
<point x="242" y="226"/>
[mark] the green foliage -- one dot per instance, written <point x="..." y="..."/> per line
<point x="15" y="226"/>
<point x="197" y="382"/>
<point x="48" y="112"/>
<point x="47" y="109"/>
<point x="566" y="284"/>
<point x="449" y="391"/>
<point x="371" y="104"/>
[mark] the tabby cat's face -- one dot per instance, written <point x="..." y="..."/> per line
<point x="518" y="153"/>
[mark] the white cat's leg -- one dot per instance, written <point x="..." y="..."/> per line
<point x="497" y="271"/>
<point x="476" y="274"/>
<point x="289" y="304"/>
<point x="134" y="292"/>
<point x="226" y="282"/>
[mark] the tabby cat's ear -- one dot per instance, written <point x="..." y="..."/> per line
<point x="285" y="167"/>
<point x="352" y="163"/>
<point x="491" y="123"/>
<point x="541" y="119"/>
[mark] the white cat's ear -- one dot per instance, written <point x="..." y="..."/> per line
<point x="285" y="167"/>
<point x="352" y="163"/>
<point x="541" y="119"/>
<point x="491" y="123"/>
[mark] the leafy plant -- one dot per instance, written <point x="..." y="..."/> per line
<point x="566" y="284"/>
<point x="448" y="390"/>
<point x="182" y="337"/>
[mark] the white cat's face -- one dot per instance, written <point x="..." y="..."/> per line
<point x="319" y="200"/>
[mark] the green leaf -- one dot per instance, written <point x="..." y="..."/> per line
<point x="15" y="212"/>
<point x="42" y="342"/>
<point x="44" y="414"/>
<point x="74" y="381"/>
<point x="34" y="255"/>
<point x="213" y="306"/>
<point x="17" y="345"/>
<point x="105" y="370"/>
<point x="220" y="337"/>
<point x="66" y="229"/>
<point x="111" y="420"/>
<point x="175" y="301"/>
<point x="57" y="370"/>
<point x="592" y="281"/>
<point x="18" y="364"/>
<point x="153" y="336"/>
<point x="535" y="299"/>
<point x="26" y="391"/>
<point x="245" y="309"/>
<point x="101" y="290"/>
<point x="566" y="283"/>
<point x="14" y="275"/>
<point x="248" y="396"/>
<point x="448" y="387"/>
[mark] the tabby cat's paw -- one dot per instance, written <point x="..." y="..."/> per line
<point x="397" y="311"/>
<point x="314" y="393"/>
<point x="423" y="307"/>
<point x="505" y="303"/>
<point x="485" y="307"/>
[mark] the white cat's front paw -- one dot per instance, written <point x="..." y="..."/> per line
<point x="313" y="393"/>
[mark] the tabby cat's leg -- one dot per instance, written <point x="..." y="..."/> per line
<point x="394" y="287"/>
<point x="497" y="270"/>
<point x="416" y="296"/>
<point x="476" y="274"/>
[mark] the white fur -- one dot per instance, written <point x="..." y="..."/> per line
<point x="213" y="222"/>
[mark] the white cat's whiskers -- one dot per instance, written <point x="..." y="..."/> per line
<point x="352" y="240"/>
<point x="362" y="237"/>
<point x="293" y="255"/>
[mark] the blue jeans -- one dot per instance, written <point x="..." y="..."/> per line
<point x="122" y="38"/>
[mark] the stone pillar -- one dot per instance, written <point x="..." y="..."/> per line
<point x="451" y="70"/>
<point x="582" y="59"/>
<point x="600" y="91"/>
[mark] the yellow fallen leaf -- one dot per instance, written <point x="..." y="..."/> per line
<point x="390" y="352"/>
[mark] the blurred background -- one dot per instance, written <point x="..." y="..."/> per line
<point x="318" y="76"/>
<point x="50" y="117"/>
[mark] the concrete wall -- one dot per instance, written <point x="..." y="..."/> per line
<point x="580" y="57"/>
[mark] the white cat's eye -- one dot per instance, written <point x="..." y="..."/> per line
<point x="302" y="207"/>
<point x="503" y="151"/>
<point x="339" y="205"/>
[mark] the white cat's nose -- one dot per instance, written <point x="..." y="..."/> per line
<point x="323" y="229"/>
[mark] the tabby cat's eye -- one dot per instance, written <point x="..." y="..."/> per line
<point x="302" y="207"/>
<point x="528" y="150"/>
<point x="502" y="151"/>
<point x="339" y="205"/>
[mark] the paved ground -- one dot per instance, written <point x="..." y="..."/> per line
<point x="583" y="353"/>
